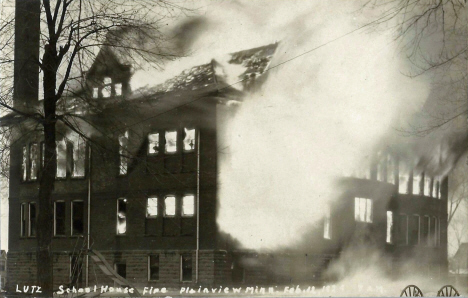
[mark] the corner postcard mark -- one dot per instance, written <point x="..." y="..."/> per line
<point x="233" y="148"/>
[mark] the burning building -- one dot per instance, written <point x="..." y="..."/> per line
<point x="136" y="194"/>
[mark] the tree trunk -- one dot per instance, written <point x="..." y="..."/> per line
<point x="45" y="218"/>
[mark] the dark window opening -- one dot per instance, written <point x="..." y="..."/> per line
<point x="121" y="216"/>
<point x="425" y="229"/>
<point x="153" y="267"/>
<point x="238" y="272"/>
<point x="77" y="218"/>
<point x="413" y="227"/>
<point x="23" y="220"/>
<point x="403" y="229"/>
<point x="32" y="219"/>
<point x="186" y="267"/>
<point x="121" y="269"/>
<point x="59" y="218"/>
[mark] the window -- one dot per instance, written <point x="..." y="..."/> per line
<point x="390" y="170"/>
<point x="169" y="206"/>
<point x="389" y="238"/>
<point x="95" y="92"/>
<point x="107" y="88"/>
<point x="188" y="205"/>
<point x="186" y="267"/>
<point x="435" y="189"/>
<point x="34" y="160"/>
<point x="32" y="219"/>
<point x="59" y="218"/>
<point x="153" y="143"/>
<point x="153" y="267"/>
<point x="427" y="186"/>
<point x="121" y="216"/>
<point x="403" y="178"/>
<point x="403" y="229"/>
<point x="23" y="220"/>
<point x="426" y="229"/>
<point x="79" y="155"/>
<point x="363" y="209"/>
<point x="2" y="265"/>
<point x="171" y="142"/>
<point x="61" y="159"/>
<point x="433" y="232"/>
<point x="118" y="89"/>
<point x="77" y="220"/>
<point x="414" y="229"/>
<point x="42" y="154"/>
<point x="417" y="184"/>
<point x="123" y="153"/>
<point x="24" y="165"/>
<point x="152" y="207"/>
<point x="327" y="223"/>
<point x="189" y="140"/>
<point x="121" y="269"/>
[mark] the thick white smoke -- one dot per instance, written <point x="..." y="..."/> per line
<point x="317" y="118"/>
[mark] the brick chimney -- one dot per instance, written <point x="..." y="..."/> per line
<point x="26" y="69"/>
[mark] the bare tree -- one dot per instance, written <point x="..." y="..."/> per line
<point x="70" y="36"/>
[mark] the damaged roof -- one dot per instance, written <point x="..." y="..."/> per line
<point x="233" y="70"/>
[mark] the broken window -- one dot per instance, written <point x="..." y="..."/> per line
<point x="76" y="270"/>
<point x="363" y="209"/>
<point x="121" y="216"/>
<point x="34" y="159"/>
<point x="413" y="227"/>
<point x="427" y="186"/>
<point x="153" y="143"/>
<point x="403" y="229"/>
<point x="118" y="89"/>
<point x="152" y="207"/>
<point x="24" y="165"/>
<point x="107" y="88"/>
<point x="59" y="218"/>
<point x="169" y="206"/>
<point x="327" y="223"/>
<point x="79" y="156"/>
<point x="189" y="140"/>
<point x="95" y="92"/>
<point x="186" y="267"/>
<point x="23" y="220"/>
<point x="32" y="219"/>
<point x="390" y="169"/>
<point x="171" y="142"/>
<point x="153" y="267"/>
<point x="61" y="159"/>
<point x="123" y="153"/>
<point x="389" y="237"/>
<point x="188" y="205"/>
<point x="77" y="217"/>
<point x="403" y="178"/>
<point x="417" y="183"/>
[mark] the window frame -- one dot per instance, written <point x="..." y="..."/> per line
<point x="165" y="206"/>
<point x="24" y="220"/>
<point x="176" y="141"/>
<point x="72" y="217"/>
<point x="357" y="213"/>
<point x="149" y="267"/>
<point x="389" y="239"/>
<point x="158" y="151"/>
<point x="117" y="217"/>
<point x="157" y="207"/>
<point x="55" y="218"/>
<point x="182" y="206"/>
<point x="30" y="221"/>
<point x="195" y="137"/>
